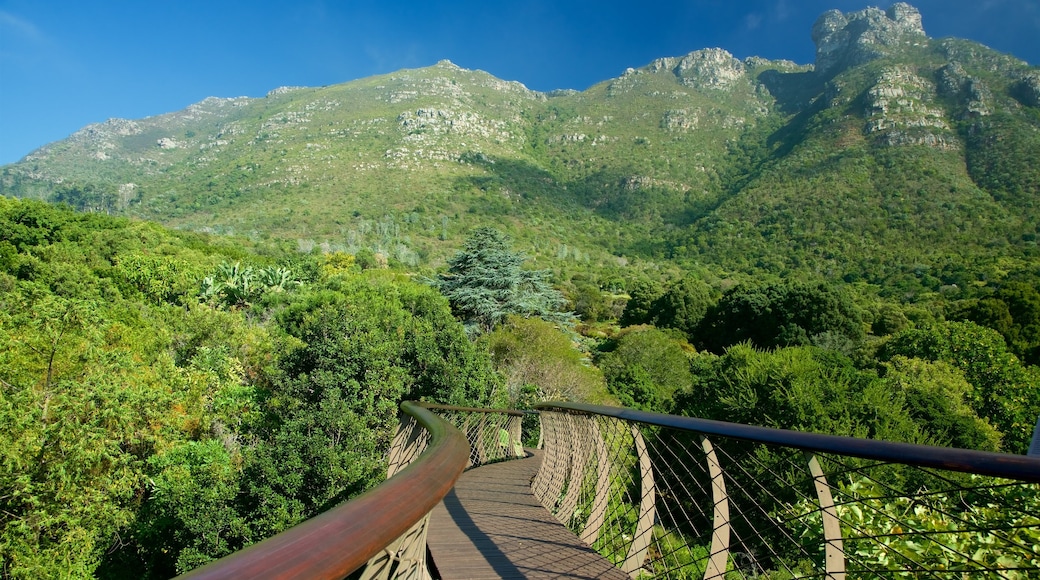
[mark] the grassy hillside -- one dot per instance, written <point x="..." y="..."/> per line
<point x="751" y="166"/>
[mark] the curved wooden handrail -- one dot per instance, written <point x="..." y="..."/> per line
<point x="1020" y="467"/>
<point x="344" y="538"/>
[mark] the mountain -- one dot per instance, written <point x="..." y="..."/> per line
<point x="893" y="155"/>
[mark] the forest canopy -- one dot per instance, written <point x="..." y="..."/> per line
<point x="151" y="425"/>
<point x="171" y="397"/>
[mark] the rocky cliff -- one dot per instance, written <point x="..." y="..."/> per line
<point x="845" y="40"/>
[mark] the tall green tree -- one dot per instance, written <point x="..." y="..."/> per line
<point x="812" y="389"/>
<point x="485" y="283"/>
<point x="683" y="305"/>
<point x="540" y="363"/>
<point x="1023" y="301"/>
<point x="643" y="295"/>
<point x="781" y="314"/>
<point x="646" y="367"/>
<point x="1004" y="390"/>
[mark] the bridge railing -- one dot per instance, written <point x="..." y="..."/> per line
<point x="677" y="497"/>
<point x="493" y="434"/>
<point x="382" y="531"/>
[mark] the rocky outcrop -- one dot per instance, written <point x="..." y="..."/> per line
<point x="283" y="91"/>
<point x="953" y="82"/>
<point x="168" y="143"/>
<point x="424" y="123"/>
<point x="844" y="40"/>
<point x="950" y="80"/>
<point x="680" y="120"/>
<point x="711" y="68"/>
<point x="108" y="129"/>
<point x="901" y="111"/>
<point x="1027" y="90"/>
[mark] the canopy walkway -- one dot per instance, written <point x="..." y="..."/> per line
<point x="492" y="526"/>
<point x="619" y="493"/>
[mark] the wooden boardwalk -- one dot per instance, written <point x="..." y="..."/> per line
<point x="492" y="526"/>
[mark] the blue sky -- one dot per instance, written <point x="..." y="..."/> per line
<point x="65" y="64"/>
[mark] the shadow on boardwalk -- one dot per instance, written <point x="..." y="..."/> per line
<point x="492" y="526"/>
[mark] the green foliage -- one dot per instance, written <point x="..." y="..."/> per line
<point x="645" y="368"/>
<point x="162" y="278"/>
<point x="485" y="283"/>
<point x="1000" y="159"/>
<point x="1013" y="311"/>
<point x="892" y="535"/>
<point x="684" y="561"/>
<point x="936" y="395"/>
<point x="190" y="512"/>
<point x="540" y="363"/>
<point x="87" y="197"/>
<point x="1003" y="390"/>
<point x="591" y="304"/>
<point x="888" y="319"/>
<point x="366" y="259"/>
<point x="374" y="328"/>
<point x="146" y="433"/>
<point x="683" y="306"/>
<point x="680" y="305"/>
<point x="1023" y="304"/>
<point x="639" y="309"/>
<point x="80" y="413"/>
<point x="780" y="314"/>
<point x="810" y="389"/>
<point x="234" y="286"/>
<point x="799" y="388"/>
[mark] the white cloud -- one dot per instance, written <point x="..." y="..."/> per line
<point x="407" y="55"/>
<point x="22" y="42"/>
<point x="25" y="45"/>
<point x="753" y="21"/>
<point x="12" y="26"/>
<point x="777" y="13"/>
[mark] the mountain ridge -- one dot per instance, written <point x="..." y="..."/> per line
<point x="699" y="159"/>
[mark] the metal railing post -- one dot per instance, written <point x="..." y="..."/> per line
<point x="549" y="481"/>
<point x="643" y="534"/>
<point x="516" y="441"/>
<point x="720" y="524"/>
<point x="579" y="459"/>
<point x="602" y="494"/>
<point x="405" y="445"/>
<point x="834" y="549"/>
<point x="405" y="558"/>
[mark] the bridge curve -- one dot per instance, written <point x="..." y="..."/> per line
<point x="645" y="494"/>
<point x="344" y="539"/>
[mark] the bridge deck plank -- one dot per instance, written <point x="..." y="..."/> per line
<point x="492" y="526"/>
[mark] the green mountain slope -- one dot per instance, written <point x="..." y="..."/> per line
<point x="893" y="151"/>
<point x="920" y="154"/>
